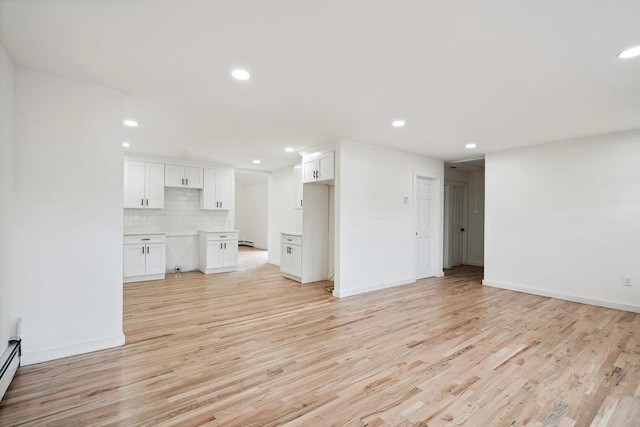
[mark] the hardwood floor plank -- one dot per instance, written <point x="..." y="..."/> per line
<point x="252" y="348"/>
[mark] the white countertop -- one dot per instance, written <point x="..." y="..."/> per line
<point x="218" y="231"/>
<point x="145" y="233"/>
<point x="291" y="234"/>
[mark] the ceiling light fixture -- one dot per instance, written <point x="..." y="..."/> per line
<point x="632" y="52"/>
<point x="240" y="74"/>
<point x="130" y="123"/>
<point x="398" y="123"/>
<point x="256" y="162"/>
<point x="126" y="145"/>
<point x="289" y="149"/>
<point x="470" y="146"/>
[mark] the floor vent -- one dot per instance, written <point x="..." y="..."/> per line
<point x="9" y="363"/>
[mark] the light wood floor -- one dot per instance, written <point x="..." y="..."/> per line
<point x="251" y="348"/>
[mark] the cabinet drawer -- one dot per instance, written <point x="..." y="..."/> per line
<point x="222" y="236"/>
<point x="142" y="238"/>
<point x="288" y="239"/>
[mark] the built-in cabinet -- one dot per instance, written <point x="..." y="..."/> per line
<point x="143" y="185"/>
<point x="217" y="251"/>
<point x="144" y="257"/>
<point x="297" y="180"/>
<point x="291" y="255"/>
<point x="318" y="167"/>
<point x="217" y="193"/>
<point x="183" y="176"/>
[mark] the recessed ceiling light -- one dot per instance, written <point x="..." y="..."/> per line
<point x="130" y="123"/>
<point x="630" y="53"/>
<point x="256" y="162"/>
<point x="398" y="123"/>
<point x="289" y="149"/>
<point x="126" y="145"/>
<point x="240" y="74"/>
<point x="470" y="146"/>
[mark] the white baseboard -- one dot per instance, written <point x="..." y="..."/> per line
<point x="273" y="262"/>
<point x="29" y="358"/>
<point x="563" y="296"/>
<point x="369" y="288"/>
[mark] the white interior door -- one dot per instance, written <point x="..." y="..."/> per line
<point x="456" y="228"/>
<point x="425" y="227"/>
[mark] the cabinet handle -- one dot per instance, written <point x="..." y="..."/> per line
<point x="143" y="249"/>
<point x="221" y="245"/>
<point x="142" y="202"/>
<point x="144" y="240"/>
<point x="220" y="204"/>
<point x="182" y="181"/>
<point x="187" y="181"/>
<point x="147" y="202"/>
<point x="300" y="202"/>
<point x="222" y="237"/>
<point x="147" y="249"/>
<point x="225" y="246"/>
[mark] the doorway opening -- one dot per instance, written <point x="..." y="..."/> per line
<point x="464" y="213"/>
<point x="252" y="201"/>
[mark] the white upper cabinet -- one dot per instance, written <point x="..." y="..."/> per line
<point x="318" y="167"/>
<point x="143" y="185"/>
<point x="217" y="192"/>
<point x="183" y="176"/>
<point x="297" y="175"/>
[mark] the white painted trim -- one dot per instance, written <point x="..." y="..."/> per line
<point x="562" y="296"/>
<point x="369" y="288"/>
<point x="29" y="358"/>
<point x="145" y="278"/>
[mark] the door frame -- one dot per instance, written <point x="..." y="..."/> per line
<point x="437" y="220"/>
<point x="447" y="226"/>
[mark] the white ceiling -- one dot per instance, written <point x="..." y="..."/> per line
<point x="501" y="73"/>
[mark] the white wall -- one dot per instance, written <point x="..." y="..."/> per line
<point x="563" y="220"/>
<point x="252" y="212"/>
<point x="374" y="229"/>
<point x="282" y="216"/>
<point x="475" y="218"/>
<point x="7" y="143"/>
<point x="67" y="245"/>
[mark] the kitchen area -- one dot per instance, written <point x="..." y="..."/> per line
<point x="181" y="216"/>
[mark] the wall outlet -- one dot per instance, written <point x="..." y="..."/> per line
<point x="178" y="269"/>
<point x="626" y="280"/>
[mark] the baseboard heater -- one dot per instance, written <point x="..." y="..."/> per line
<point x="245" y="243"/>
<point x="9" y="363"/>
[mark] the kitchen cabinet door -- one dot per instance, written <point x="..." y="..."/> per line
<point x="309" y="168"/>
<point x="297" y="179"/>
<point x="215" y="249"/>
<point x="193" y="177"/>
<point x="156" y="258"/>
<point x="134" y="184"/>
<point x="173" y="176"/>
<point x="295" y="256"/>
<point x="154" y="186"/>
<point x="325" y="166"/>
<point x="134" y="260"/>
<point x="225" y="196"/>
<point x="230" y="253"/>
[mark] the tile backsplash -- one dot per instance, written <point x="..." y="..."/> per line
<point x="181" y="215"/>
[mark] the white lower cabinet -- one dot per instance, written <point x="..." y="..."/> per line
<point x="217" y="251"/>
<point x="145" y="257"/>
<point x="291" y="256"/>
